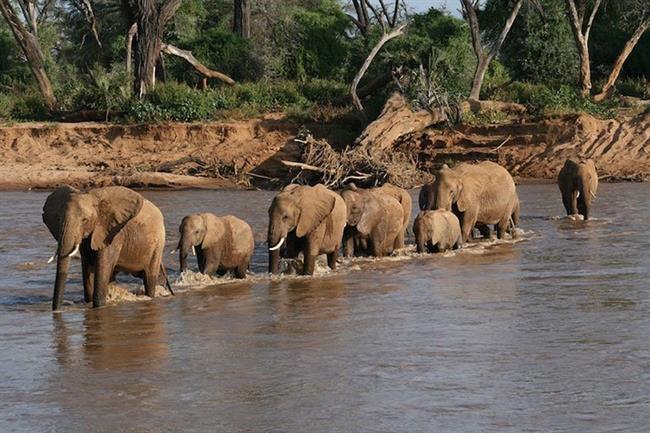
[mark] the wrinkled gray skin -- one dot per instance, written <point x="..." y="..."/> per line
<point x="479" y="194"/>
<point x="222" y="244"/>
<point x="437" y="231"/>
<point x="114" y="229"/>
<point x="374" y="221"/>
<point x="404" y="199"/>
<point x="578" y="183"/>
<point x="310" y="219"/>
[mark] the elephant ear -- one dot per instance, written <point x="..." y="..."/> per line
<point x="467" y="193"/>
<point x="213" y="229"/>
<point x="316" y="203"/>
<point x="116" y="206"/>
<point x="54" y="208"/>
<point x="371" y="212"/>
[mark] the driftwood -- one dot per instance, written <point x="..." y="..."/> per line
<point x="198" y="66"/>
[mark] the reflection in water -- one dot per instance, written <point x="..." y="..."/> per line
<point x="547" y="334"/>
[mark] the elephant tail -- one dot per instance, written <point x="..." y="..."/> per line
<point x="163" y="272"/>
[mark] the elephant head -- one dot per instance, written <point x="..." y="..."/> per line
<point x="421" y="232"/>
<point x="426" y="197"/>
<point x="196" y="230"/>
<point x="363" y="211"/>
<point x="300" y="209"/>
<point x="72" y="217"/>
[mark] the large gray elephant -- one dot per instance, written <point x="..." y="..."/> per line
<point x="404" y="199"/>
<point x="310" y="219"/>
<point x="221" y="244"/>
<point x="114" y="229"/>
<point x="437" y="231"/>
<point x="578" y="182"/>
<point x="479" y="194"/>
<point x="374" y="221"/>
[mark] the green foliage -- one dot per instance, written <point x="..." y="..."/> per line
<point x="484" y="117"/>
<point x="29" y="106"/>
<point x="639" y="88"/>
<point x="6" y="106"/>
<point x="496" y="77"/>
<point x="323" y="91"/>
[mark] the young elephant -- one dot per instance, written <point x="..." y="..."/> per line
<point x="374" y="219"/>
<point x="404" y="199"/>
<point x="114" y="229"/>
<point x="310" y="219"/>
<point x="578" y="182"/>
<point x="437" y="231"/>
<point x="221" y="244"/>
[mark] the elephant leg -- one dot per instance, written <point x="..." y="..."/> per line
<point x="310" y="252"/>
<point x="240" y="271"/>
<point x="348" y="242"/>
<point x="566" y="200"/>
<point x="211" y="261"/>
<point x="467" y="224"/>
<point x="88" y="274"/>
<point x="104" y="267"/>
<point x="150" y="280"/>
<point x="332" y="257"/>
<point x="201" y="259"/>
<point x="399" y="241"/>
<point x="574" y="202"/>
<point x="583" y="209"/>
<point x="502" y="228"/>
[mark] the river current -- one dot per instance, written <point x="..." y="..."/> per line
<point x="547" y="334"/>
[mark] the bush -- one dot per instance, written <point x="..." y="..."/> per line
<point x="323" y="91"/>
<point x="6" y="106"/>
<point x="29" y="107"/>
<point x="639" y="88"/>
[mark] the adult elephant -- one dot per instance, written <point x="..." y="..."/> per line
<point x="374" y="221"/>
<point x="221" y="244"/>
<point x="479" y="194"/>
<point x="114" y="229"/>
<point x="404" y="199"/>
<point x="310" y="219"/>
<point x="578" y="182"/>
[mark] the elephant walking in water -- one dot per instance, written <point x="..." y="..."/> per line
<point x="437" y="231"/>
<point x="479" y="194"/>
<point x="221" y="244"/>
<point x="303" y="218"/>
<point x="578" y="183"/>
<point x="114" y="229"/>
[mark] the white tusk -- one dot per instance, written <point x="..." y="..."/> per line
<point x="193" y="250"/>
<point x="51" y="259"/>
<point x="578" y="194"/>
<point x="592" y="194"/>
<point x="173" y="252"/>
<point x="74" y="252"/>
<point x="279" y="244"/>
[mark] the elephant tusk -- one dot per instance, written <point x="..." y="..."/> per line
<point x="277" y="246"/>
<point x="592" y="194"/>
<point x="51" y="259"/>
<point x="173" y="252"/>
<point x="578" y="196"/>
<point x="74" y="252"/>
<point x="193" y="250"/>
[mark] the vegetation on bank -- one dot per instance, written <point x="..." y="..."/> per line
<point x="302" y="56"/>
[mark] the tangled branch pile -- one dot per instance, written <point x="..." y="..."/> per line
<point x="361" y="165"/>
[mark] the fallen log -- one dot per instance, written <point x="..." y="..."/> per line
<point x="198" y="66"/>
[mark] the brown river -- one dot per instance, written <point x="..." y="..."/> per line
<point x="548" y="334"/>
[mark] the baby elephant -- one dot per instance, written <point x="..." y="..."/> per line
<point x="437" y="231"/>
<point x="578" y="182"/>
<point x="221" y="244"/>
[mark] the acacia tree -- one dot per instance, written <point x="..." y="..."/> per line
<point x="484" y="56"/>
<point x="634" y="14"/>
<point x="26" y="33"/>
<point x="578" y="11"/>
<point x="242" y="19"/>
<point x="151" y="18"/>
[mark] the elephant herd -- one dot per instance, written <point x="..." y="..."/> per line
<point x="115" y="229"/>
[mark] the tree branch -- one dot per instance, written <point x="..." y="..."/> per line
<point x="198" y="66"/>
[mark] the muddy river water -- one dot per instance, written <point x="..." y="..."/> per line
<point x="549" y="334"/>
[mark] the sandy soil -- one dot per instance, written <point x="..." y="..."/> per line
<point x="239" y="154"/>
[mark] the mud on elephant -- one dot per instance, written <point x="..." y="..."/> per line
<point x="578" y="183"/>
<point x="374" y="222"/>
<point x="114" y="229"/>
<point x="303" y="218"/>
<point x="221" y="244"/>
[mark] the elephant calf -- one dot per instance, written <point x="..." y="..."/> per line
<point x="578" y="182"/>
<point x="221" y="244"/>
<point x="374" y="219"/>
<point x="404" y="199"/>
<point x="437" y="231"/>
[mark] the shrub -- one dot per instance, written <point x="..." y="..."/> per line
<point x="29" y="107"/>
<point x="323" y="91"/>
<point x="6" y="106"/>
<point x="639" y="88"/>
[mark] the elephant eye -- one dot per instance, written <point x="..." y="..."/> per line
<point x="285" y="217"/>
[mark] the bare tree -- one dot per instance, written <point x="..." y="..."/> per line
<point x="635" y="14"/>
<point x="578" y="11"/>
<point x="390" y="30"/>
<point x="242" y="19"/>
<point x="26" y="33"/>
<point x="485" y="55"/>
<point x="151" y="21"/>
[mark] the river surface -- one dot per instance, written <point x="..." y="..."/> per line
<point x="548" y="334"/>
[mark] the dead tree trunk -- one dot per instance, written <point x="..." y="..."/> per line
<point x="133" y="30"/>
<point x="242" y="19"/>
<point x="151" y="22"/>
<point x="31" y="47"/>
<point x="620" y="61"/>
<point x="483" y="59"/>
<point x="576" y="19"/>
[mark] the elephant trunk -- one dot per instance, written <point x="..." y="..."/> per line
<point x="67" y="247"/>
<point x="184" y="247"/>
<point x="275" y="239"/>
